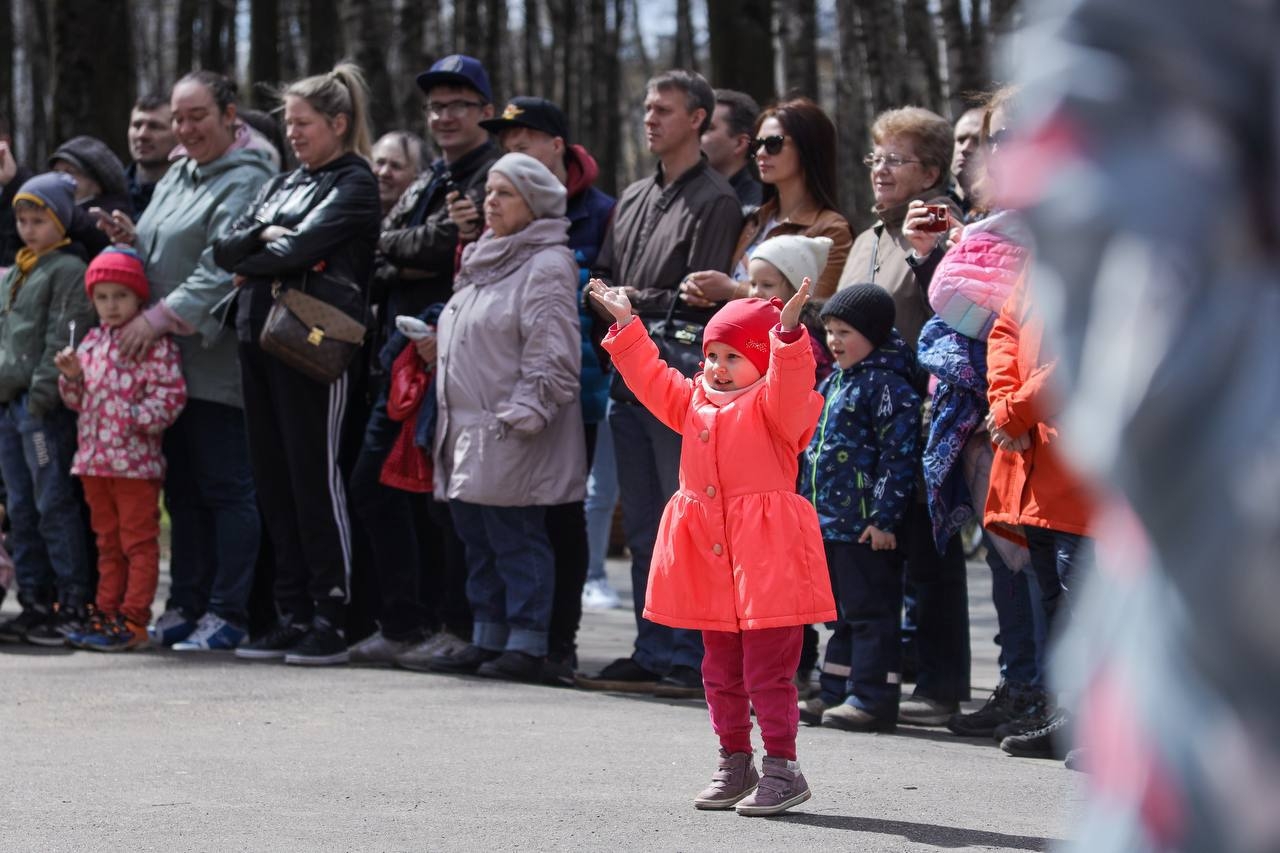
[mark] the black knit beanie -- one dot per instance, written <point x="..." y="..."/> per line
<point x="866" y="307"/>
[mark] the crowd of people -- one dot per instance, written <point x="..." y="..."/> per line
<point x="833" y="409"/>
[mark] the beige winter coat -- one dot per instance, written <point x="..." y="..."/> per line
<point x="510" y="422"/>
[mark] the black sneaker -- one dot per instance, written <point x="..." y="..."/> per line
<point x="325" y="644"/>
<point x="1035" y="714"/>
<point x="464" y="661"/>
<point x="274" y="644"/>
<point x="623" y="676"/>
<point x="1005" y="704"/>
<point x="53" y="632"/>
<point x="15" y="630"/>
<point x="682" y="682"/>
<point x="1048" y="741"/>
<point x="560" y="670"/>
<point x="512" y="666"/>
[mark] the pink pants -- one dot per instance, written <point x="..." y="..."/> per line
<point x="753" y="669"/>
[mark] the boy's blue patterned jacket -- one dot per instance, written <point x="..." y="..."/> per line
<point x="860" y="468"/>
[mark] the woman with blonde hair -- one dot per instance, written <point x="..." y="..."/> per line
<point x="315" y="226"/>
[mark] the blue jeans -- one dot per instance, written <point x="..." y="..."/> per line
<point x="1011" y="593"/>
<point x="602" y="497"/>
<point x="648" y="475"/>
<point x="47" y="534"/>
<point x="216" y="530"/>
<point x="510" y="575"/>
<point x="1057" y="559"/>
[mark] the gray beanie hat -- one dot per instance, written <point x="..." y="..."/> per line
<point x="795" y="256"/>
<point x="92" y="156"/>
<point x="539" y="188"/>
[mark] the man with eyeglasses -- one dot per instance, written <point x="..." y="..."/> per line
<point x="684" y="218"/>
<point x="419" y="238"/>
<point x="414" y="270"/>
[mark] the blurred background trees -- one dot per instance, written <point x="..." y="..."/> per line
<point x="75" y="66"/>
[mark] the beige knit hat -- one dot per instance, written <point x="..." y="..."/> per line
<point x="795" y="257"/>
<point x="539" y="188"/>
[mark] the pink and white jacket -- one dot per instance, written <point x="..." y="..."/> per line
<point x="976" y="276"/>
<point x="124" y="406"/>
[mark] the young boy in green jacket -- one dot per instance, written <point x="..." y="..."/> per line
<point x="43" y="308"/>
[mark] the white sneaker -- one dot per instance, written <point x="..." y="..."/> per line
<point x="212" y="633"/>
<point x="598" y="595"/>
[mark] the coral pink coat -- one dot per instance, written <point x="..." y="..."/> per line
<point x="737" y="548"/>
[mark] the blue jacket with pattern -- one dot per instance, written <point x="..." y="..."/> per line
<point x="860" y="467"/>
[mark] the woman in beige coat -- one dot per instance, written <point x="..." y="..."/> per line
<point x="509" y="439"/>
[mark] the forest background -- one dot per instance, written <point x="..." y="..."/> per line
<point x="76" y="66"/>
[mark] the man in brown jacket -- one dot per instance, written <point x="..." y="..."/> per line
<point x="684" y="218"/>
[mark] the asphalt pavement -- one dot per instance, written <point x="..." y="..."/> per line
<point x="156" y="750"/>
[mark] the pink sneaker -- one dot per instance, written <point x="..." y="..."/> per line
<point x="734" y="779"/>
<point x="781" y="787"/>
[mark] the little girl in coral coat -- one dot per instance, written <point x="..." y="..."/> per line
<point x="739" y="554"/>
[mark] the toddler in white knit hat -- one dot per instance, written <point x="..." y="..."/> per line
<point x="779" y="264"/>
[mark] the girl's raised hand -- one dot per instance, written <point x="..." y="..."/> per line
<point x="613" y="299"/>
<point x="791" y="311"/>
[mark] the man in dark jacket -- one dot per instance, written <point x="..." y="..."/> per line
<point x="685" y="217"/>
<point x="151" y="140"/>
<point x="416" y="252"/>
<point x="537" y="127"/>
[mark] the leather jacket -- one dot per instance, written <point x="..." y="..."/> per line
<point x="334" y="212"/>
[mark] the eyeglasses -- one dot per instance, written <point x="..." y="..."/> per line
<point x="997" y="138"/>
<point x="893" y="161"/>
<point x="772" y="145"/>
<point x="450" y="109"/>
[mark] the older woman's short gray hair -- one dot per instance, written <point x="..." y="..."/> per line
<point x="931" y="133"/>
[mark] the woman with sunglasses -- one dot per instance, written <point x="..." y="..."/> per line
<point x="795" y="151"/>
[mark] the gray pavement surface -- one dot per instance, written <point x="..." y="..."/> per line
<point x="162" y="751"/>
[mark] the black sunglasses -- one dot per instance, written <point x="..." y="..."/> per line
<point x="772" y="145"/>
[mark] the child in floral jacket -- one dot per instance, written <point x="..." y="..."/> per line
<point x="125" y="405"/>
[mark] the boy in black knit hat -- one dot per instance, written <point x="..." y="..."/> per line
<point x="859" y="470"/>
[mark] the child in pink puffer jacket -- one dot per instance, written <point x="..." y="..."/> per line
<point x="125" y="405"/>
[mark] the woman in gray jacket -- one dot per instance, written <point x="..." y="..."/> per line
<point x="208" y="487"/>
<point x="509" y="439"/>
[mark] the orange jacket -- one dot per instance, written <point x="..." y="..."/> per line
<point x="1034" y="487"/>
<point x="737" y="547"/>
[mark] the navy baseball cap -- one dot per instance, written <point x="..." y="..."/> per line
<point x="457" y="70"/>
<point x="537" y="113"/>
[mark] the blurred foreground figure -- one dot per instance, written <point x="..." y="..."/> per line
<point x="1152" y="183"/>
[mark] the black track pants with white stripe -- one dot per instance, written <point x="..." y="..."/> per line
<point x="295" y="429"/>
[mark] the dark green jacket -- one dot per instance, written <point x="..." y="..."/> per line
<point x="34" y="325"/>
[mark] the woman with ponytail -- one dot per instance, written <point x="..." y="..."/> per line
<point x="324" y="215"/>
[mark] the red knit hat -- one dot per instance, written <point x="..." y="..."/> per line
<point x="744" y="324"/>
<point x="118" y="265"/>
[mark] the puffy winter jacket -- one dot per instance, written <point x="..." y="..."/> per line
<point x="976" y="276"/>
<point x="860" y="467"/>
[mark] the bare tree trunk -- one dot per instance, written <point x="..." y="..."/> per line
<point x="685" y="56"/>
<point x="264" y="50"/>
<point x="798" y="36"/>
<point x="925" y="73"/>
<point x="88" y="95"/>
<point x="492" y="54"/>
<point x="964" y="65"/>
<point x="410" y="28"/>
<point x="532" y="45"/>
<point x="367" y="24"/>
<point x="213" y="29"/>
<point x="609" y="156"/>
<point x="742" y="46"/>
<point x="852" y="114"/>
<point x="322" y="41"/>
<point x="188" y="11"/>
<point x="6" y="67"/>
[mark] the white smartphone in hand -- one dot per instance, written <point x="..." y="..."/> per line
<point x="413" y="328"/>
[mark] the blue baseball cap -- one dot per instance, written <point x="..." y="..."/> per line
<point x="457" y="70"/>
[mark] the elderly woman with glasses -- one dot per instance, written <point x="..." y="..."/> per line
<point x="910" y="162"/>
<point x="795" y="151"/>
